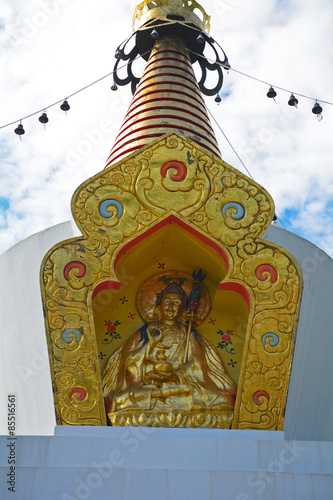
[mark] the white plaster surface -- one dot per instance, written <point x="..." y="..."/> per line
<point x="309" y="411"/>
<point x="24" y="366"/>
<point x="167" y="464"/>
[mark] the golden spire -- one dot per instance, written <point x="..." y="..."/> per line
<point x="168" y="96"/>
<point x="147" y="10"/>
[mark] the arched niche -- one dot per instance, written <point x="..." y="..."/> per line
<point x="172" y="246"/>
<point x="219" y="217"/>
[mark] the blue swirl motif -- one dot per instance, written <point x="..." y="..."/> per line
<point x="238" y="215"/>
<point x="275" y="339"/>
<point x="110" y="203"/>
<point x="71" y="331"/>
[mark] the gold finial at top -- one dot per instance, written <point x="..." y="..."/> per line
<point x="185" y="10"/>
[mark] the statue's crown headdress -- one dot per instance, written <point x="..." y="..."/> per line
<point x="173" y="280"/>
<point x="173" y="288"/>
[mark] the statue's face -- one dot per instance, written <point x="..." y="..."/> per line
<point x="171" y="307"/>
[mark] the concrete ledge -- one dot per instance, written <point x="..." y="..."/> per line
<point x="149" y="463"/>
<point x="138" y="484"/>
<point x="183" y="433"/>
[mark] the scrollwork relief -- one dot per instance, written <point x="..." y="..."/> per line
<point x="171" y="176"/>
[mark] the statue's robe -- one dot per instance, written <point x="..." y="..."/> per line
<point x="202" y="383"/>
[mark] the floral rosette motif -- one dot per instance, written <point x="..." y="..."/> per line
<point x="116" y="212"/>
<point x="75" y="270"/>
<point x="77" y="391"/>
<point x="169" y="184"/>
<point x="272" y="334"/>
<point x="261" y="399"/>
<point x="270" y="269"/>
<point x="230" y="219"/>
<point x="70" y="336"/>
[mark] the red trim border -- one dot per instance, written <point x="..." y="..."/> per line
<point x="106" y="285"/>
<point x="169" y="220"/>
<point x="238" y="288"/>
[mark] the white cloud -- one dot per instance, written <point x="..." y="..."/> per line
<point x="50" y="48"/>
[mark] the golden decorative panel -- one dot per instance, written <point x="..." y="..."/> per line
<point x="172" y="207"/>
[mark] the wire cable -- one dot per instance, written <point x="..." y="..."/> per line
<point x="70" y="95"/>
<point x="226" y="138"/>
<point x="229" y="68"/>
<point x="234" y="150"/>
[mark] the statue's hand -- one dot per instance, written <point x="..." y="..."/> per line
<point x="171" y="378"/>
<point x="154" y="379"/>
<point x="162" y="378"/>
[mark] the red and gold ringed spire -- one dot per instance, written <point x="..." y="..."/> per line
<point x="167" y="97"/>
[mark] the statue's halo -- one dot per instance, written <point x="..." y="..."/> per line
<point x="147" y="294"/>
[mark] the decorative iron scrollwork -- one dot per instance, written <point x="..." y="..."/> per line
<point x="205" y="65"/>
<point x="130" y="57"/>
<point x="144" y="45"/>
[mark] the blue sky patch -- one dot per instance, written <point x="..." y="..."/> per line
<point x="4" y="204"/>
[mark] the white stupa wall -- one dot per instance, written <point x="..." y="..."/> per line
<point x="116" y="463"/>
<point x="309" y="411"/>
<point x="24" y="361"/>
<point x="24" y="365"/>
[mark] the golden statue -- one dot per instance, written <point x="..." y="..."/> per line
<point x="166" y="374"/>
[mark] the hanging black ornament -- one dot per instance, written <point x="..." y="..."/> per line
<point x="43" y="118"/>
<point x="271" y="93"/>
<point x="19" y="129"/>
<point x="65" y="106"/>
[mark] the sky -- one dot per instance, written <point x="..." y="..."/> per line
<point x="51" y="48"/>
